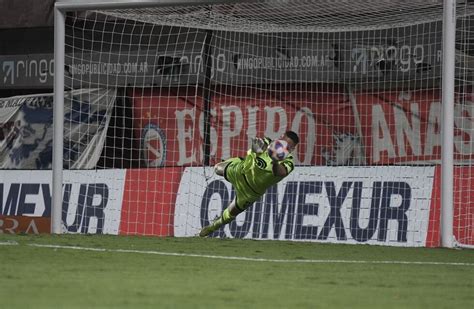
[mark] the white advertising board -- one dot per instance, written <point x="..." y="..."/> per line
<point x="372" y="205"/>
<point x="92" y="200"/>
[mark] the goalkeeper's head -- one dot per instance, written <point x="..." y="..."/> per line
<point x="292" y="139"/>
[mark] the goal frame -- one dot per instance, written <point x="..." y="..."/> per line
<point x="447" y="125"/>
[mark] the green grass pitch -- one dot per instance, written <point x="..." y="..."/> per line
<point x="79" y="271"/>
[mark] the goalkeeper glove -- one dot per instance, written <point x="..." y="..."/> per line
<point x="259" y="145"/>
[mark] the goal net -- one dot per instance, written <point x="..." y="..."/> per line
<point x="358" y="81"/>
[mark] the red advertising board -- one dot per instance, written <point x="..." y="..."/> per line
<point x="148" y="201"/>
<point x="392" y="127"/>
<point x="170" y="123"/>
<point x="24" y="225"/>
<point x="405" y="127"/>
<point x="463" y="218"/>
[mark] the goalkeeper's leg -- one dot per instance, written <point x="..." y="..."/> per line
<point x="227" y="216"/>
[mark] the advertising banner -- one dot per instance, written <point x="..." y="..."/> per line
<point x="149" y="201"/>
<point x="383" y="205"/>
<point x="392" y="56"/>
<point x="382" y="128"/>
<point x="92" y="200"/>
<point x="170" y="124"/>
<point x="26" y="129"/>
<point x="405" y="127"/>
<point x="395" y="206"/>
<point x="463" y="215"/>
<point x="24" y="225"/>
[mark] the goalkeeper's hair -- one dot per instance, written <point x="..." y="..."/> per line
<point x="293" y="136"/>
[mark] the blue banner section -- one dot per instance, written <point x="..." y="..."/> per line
<point x="26" y="129"/>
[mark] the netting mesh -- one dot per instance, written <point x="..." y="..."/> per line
<point x="463" y="117"/>
<point x="294" y="16"/>
<point x="359" y="81"/>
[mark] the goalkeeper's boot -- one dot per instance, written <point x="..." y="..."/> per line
<point x="206" y="231"/>
<point x="222" y="220"/>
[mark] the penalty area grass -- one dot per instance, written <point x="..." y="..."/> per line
<point x="99" y="271"/>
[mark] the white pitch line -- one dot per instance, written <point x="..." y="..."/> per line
<point x="239" y="258"/>
<point x="8" y="243"/>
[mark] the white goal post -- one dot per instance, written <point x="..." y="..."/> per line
<point x="247" y="58"/>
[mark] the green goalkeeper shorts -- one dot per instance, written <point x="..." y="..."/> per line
<point x="245" y="195"/>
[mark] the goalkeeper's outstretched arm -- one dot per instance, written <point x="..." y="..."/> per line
<point x="278" y="169"/>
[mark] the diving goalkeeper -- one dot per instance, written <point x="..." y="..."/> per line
<point x="252" y="176"/>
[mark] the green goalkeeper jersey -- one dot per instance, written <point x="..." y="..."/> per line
<point x="257" y="171"/>
<point x="253" y="175"/>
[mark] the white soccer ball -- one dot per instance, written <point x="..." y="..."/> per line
<point x="278" y="150"/>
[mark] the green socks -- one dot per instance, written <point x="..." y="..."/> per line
<point x="225" y="218"/>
